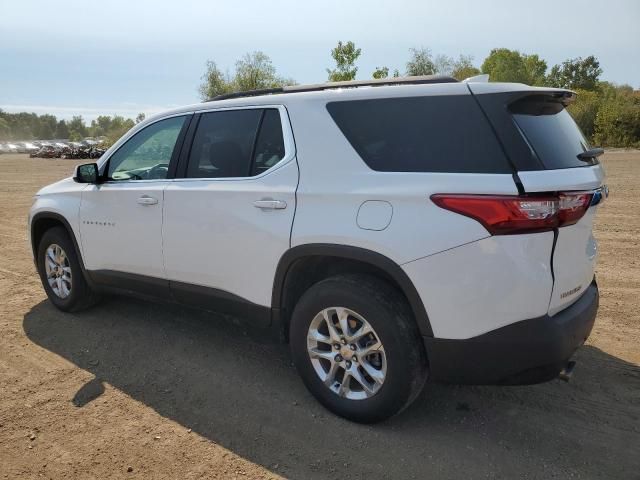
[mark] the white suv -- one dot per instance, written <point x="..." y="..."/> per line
<point x="390" y="231"/>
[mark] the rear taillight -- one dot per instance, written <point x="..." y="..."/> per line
<point x="504" y="215"/>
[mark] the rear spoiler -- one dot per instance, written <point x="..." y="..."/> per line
<point x="484" y="78"/>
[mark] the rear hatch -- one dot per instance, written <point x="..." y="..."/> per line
<point x="552" y="159"/>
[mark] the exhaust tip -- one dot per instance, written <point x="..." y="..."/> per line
<point x="567" y="371"/>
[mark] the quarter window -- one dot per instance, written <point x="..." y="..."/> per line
<point x="236" y="143"/>
<point x="421" y="134"/>
<point x="147" y="154"/>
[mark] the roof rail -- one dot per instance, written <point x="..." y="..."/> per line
<point x="425" y="79"/>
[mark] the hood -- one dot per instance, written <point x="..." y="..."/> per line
<point x="64" y="185"/>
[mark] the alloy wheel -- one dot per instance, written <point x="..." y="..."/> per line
<point x="58" y="270"/>
<point x="346" y="353"/>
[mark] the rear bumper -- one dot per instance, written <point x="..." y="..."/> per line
<point x="529" y="351"/>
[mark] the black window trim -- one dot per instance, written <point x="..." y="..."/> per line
<point x="287" y="136"/>
<point x="103" y="166"/>
<point x="252" y="159"/>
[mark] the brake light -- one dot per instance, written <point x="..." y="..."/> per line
<point x="572" y="207"/>
<point x="506" y="214"/>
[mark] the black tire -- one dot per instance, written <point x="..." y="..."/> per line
<point x="81" y="295"/>
<point x="387" y="312"/>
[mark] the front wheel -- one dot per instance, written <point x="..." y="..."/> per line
<point x="357" y="347"/>
<point x="60" y="272"/>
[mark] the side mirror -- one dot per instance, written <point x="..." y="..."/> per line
<point x="87" y="173"/>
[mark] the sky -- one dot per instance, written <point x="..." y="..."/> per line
<point x="123" y="57"/>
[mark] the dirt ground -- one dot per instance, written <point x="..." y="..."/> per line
<point x="136" y="390"/>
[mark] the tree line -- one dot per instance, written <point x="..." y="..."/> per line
<point x="608" y="114"/>
<point x="30" y="126"/>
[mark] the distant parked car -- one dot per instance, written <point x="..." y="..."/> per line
<point x="27" y="147"/>
<point x="96" y="152"/>
<point x="10" y="148"/>
<point x="47" y="151"/>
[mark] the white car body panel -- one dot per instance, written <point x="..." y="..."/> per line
<point x="574" y="255"/>
<point x="484" y="285"/>
<point x="61" y="198"/>
<point x="118" y="233"/>
<point x="574" y="262"/>
<point x="215" y="237"/>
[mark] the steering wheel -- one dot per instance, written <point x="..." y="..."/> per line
<point x="158" y="172"/>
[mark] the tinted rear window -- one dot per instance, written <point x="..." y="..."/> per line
<point x="421" y="134"/>
<point x="551" y="132"/>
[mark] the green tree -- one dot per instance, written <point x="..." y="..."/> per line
<point x="345" y="55"/>
<point x="254" y="71"/>
<point x="576" y="73"/>
<point x="77" y="128"/>
<point x="443" y="64"/>
<point x="618" y="119"/>
<point x="584" y="111"/>
<point x="380" y="72"/>
<point x="100" y="126"/>
<point x="504" y="65"/>
<point x="420" y="62"/>
<point x="62" y="131"/>
<point x="45" y="127"/>
<point x="464" y="68"/>
<point x="214" y="82"/>
<point x="5" y="130"/>
<point x="140" y="117"/>
<point x="535" y="69"/>
<point x="118" y="126"/>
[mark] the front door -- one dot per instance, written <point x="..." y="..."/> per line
<point x="121" y="219"/>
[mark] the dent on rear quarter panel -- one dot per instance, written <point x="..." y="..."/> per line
<point x="484" y="285"/>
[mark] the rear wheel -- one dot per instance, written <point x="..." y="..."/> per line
<point x="60" y="272"/>
<point x="357" y="348"/>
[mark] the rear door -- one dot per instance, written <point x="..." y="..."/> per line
<point x="551" y="155"/>
<point x="227" y="220"/>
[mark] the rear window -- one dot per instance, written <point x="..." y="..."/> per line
<point x="551" y="132"/>
<point x="421" y="134"/>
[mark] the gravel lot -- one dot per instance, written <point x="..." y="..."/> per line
<point x="137" y="390"/>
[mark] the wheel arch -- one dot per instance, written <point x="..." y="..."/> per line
<point x="304" y="265"/>
<point x="43" y="221"/>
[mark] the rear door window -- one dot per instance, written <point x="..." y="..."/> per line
<point x="551" y="133"/>
<point x="236" y="143"/>
<point x="223" y="143"/>
<point x="421" y="134"/>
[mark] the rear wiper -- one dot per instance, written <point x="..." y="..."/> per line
<point x="590" y="154"/>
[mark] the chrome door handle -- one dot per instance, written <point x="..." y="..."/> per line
<point x="270" y="204"/>
<point x="147" y="200"/>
